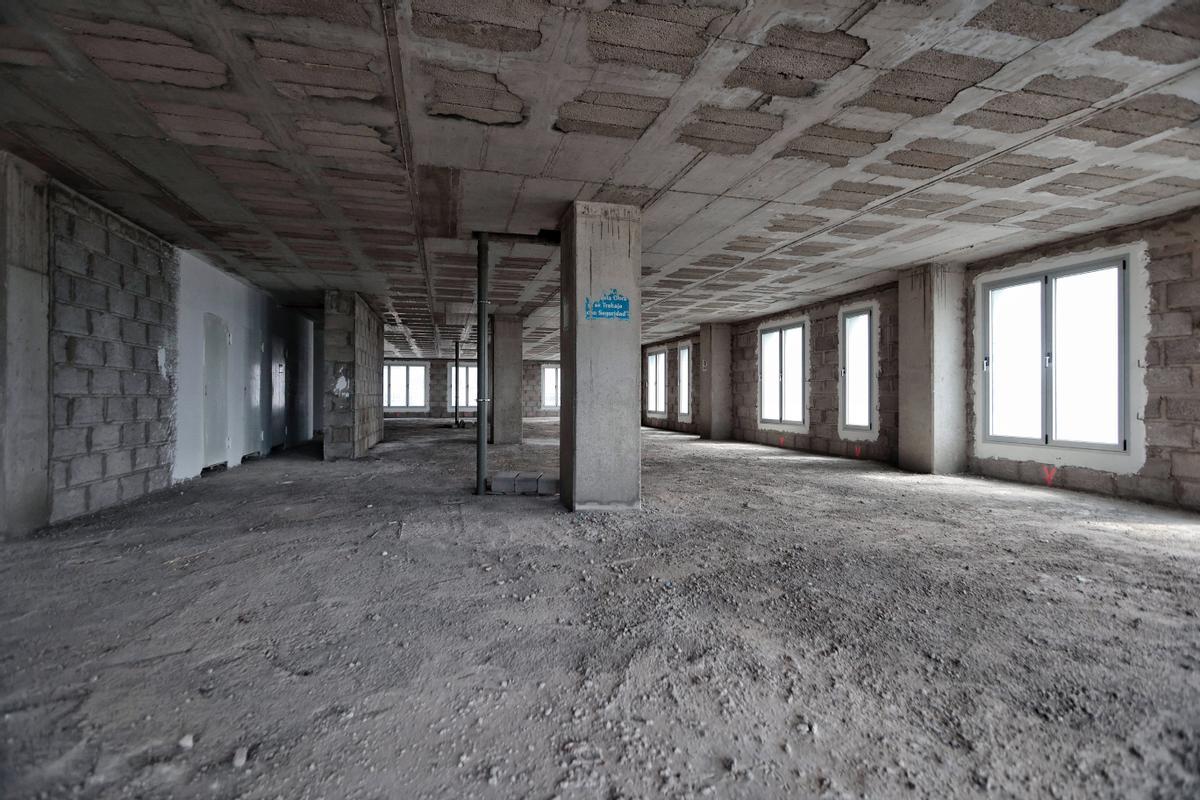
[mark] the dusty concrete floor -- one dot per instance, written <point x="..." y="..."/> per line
<point x="769" y="625"/>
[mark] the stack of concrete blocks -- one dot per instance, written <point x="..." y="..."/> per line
<point x="523" y="483"/>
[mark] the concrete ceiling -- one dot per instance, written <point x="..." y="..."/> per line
<point x="781" y="152"/>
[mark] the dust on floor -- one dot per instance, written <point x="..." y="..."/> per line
<point x="770" y="624"/>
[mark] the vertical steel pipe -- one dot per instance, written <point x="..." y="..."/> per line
<point x="481" y="361"/>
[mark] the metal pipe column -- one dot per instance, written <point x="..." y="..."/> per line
<point x="481" y="361"/>
<point x="456" y="343"/>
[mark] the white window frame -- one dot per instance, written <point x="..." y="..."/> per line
<point x="1135" y="329"/>
<point x="450" y="387"/>
<point x="857" y="433"/>
<point x="557" y="387"/>
<point x="680" y="393"/>
<point x="801" y="321"/>
<point x="406" y="365"/>
<point x="658" y="352"/>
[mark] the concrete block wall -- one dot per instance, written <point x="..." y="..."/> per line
<point x="823" y="397"/>
<point x="531" y="390"/>
<point x="672" y="422"/>
<point x="113" y="355"/>
<point x="368" y="377"/>
<point x="1171" y="473"/>
<point x="353" y="376"/>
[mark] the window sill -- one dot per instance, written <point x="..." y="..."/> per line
<point x="783" y="427"/>
<point x="1121" y="462"/>
<point x="656" y="414"/>
<point x="858" y="434"/>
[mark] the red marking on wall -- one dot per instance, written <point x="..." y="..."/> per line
<point x="1049" y="472"/>
<point x="857" y="450"/>
<point x="781" y="441"/>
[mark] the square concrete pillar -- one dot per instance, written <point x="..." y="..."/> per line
<point x="25" y="401"/>
<point x="353" y="381"/>
<point x="600" y="446"/>
<point x="506" y="379"/>
<point x="714" y="396"/>
<point x="933" y="370"/>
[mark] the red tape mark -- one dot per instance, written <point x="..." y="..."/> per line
<point x="1049" y="472"/>
<point x="857" y="450"/>
<point x="781" y="441"/>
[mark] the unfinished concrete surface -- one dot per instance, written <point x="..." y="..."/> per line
<point x="825" y="629"/>
<point x="355" y="146"/>
<point x="238" y="266"/>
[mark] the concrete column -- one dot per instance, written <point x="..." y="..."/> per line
<point x="506" y="379"/>
<point x="25" y="402"/>
<point x="600" y="446"/>
<point x="933" y="376"/>
<point x="714" y="395"/>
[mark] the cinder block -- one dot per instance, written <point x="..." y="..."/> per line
<point x="104" y="494"/>
<point x="148" y="310"/>
<point x="106" y="381"/>
<point x="85" y="469"/>
<point x="133" y="280"/>
<point x="145" y="458"/>
<point x="70" y="380"/>
<point x="118" y="355"/>
<point x="68" y="503"/>
<point x="132" y="486"/>
<point x="85" y="410"/>
<point x="158" y="431"/>
<point x="504" y="483"/>
<point x="117" y="462"/>
<point x="121" y="302"/>
<point x="104" y="325"/>
<point x="70" y="318"/>
<point x="118" y="409"/>
<point x="547" y="484"/>
<point x="105" y="270"/>
<point x="144" y="358"/>
<point x="133" y="383"/>
<point x="133" y="332"/>
<point x="147" y="408"/>
<point x="105" y="437"/>
<point x="70" y="257"/>
<point x="527" y="482"/>
<point x="69" y="442"/>
<point x="85" y="352"/>
<point x="89" y="293"/>
<point x="91" y="235"/>
<point x="121" y="249"/>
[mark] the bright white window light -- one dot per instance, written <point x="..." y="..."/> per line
<point x="793" y="374"/>
<point x="685" y="381"/>
<point x="551" y="393"/>
<point x="416" y="386"/>
<point x="656" y="383"/>
<point x="769" y="376"/>
<point x="781" y="375"/>
<point x="856" y="393"/>
<point x="393" y="384"/>
<point x="404" y="385"/>
<point x="464" y="386"/>
<point x="1015" y="361"/>
<point x="1086" y="357"/>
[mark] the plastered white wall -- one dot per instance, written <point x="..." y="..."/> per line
<point x="250" y="315"/>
